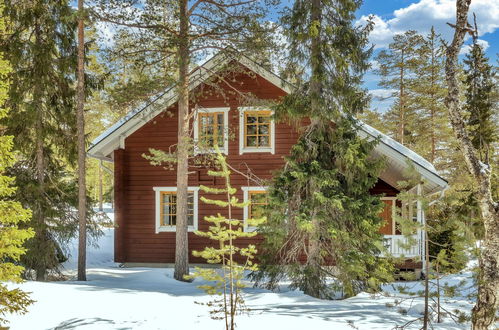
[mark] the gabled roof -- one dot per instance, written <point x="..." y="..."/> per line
<point x="397" y="154"/>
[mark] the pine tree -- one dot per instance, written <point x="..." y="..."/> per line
<point x="12" y="214"/>
<point x="191" y="31"/>
<point x="80" y="132"/>
<point x="225" y="230"/>
<point x="320" y="211"/>
<point x="397" y="67"/>
<point x="431" y="127"/>
<point x="41" y="48"/>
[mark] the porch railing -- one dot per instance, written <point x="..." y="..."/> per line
<point x="397" y="245"/>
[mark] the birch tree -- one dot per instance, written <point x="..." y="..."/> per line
<point x="484" y="311"/>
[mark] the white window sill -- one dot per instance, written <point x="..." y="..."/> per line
<point x="250" y="229"/>
<point x="199" y="151"/>
<point x="174" y="229"/>
<point x="256" y="150"/>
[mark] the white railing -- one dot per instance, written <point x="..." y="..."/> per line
<point x="397" y="246"/>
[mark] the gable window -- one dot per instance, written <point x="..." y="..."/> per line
<point x="211" y="129"/>
<point x="256" y="130"/>
<point x="166" y="208"/>
<point x="259" y="199"/>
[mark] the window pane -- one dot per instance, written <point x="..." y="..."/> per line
<point x="251" y="129"/>
<point x="251" y="119"/>
<point x="251" y="141"/>
<point x="263" y="129"/>
<point x="263" y="141"/>
<point x="220" y="119"/>
<point x="168" y="209"/>
<point x="264" y="119"/>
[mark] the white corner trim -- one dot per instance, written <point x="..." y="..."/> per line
<point x="157" y="206"/>
<point x="225" y="110"/>
<point x="242" y="148"/>
<point x="246" y="191"/>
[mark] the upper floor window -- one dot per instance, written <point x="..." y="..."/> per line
<point x="166" y="208"/>
<point x="211" y="129"/>
<point x="256" y="130"/>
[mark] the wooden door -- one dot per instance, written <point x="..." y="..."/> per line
<point x="387" y="215"/>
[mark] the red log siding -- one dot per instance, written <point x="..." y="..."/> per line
<point x="136" y="240"/>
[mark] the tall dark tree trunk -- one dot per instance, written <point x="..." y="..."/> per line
<point x="80" y="132"/>
<point x="401" y="128"/>
<point x="433" y="102"/>
<point x="313" y="253"/>
<point x="41" y="234"/>
<point x="484" y="312"/>
<point x="181" y="243"/>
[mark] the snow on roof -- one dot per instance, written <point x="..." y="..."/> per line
<point x="130" y="115"/>
<point x="398" y="147"/>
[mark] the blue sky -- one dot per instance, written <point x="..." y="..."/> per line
<point x="397" y="16"/>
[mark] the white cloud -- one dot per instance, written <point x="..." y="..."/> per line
<point x="421" y="16"/>
<point x="382" y="93"/>
<point x="466" y="48"/>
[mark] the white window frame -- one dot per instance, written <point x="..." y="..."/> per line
<point x="242" y="148"/>
<point x="159" y="228"/>
<point x="246" y="191"/>
<point x="225" y="148"/>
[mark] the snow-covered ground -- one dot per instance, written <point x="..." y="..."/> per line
<point x="149" y="298"/>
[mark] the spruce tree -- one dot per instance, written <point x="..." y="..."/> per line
<point x="320" y="211"/>
<point x="41" y="47"/>
<point x="480" y="103"/>
<point x="12" y="214"/>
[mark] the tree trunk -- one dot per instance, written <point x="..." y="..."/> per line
<point x="426" y="280"/>
<point x="313" y="253"/>
<point x="401" y="128"/>
<point x="433" y="101"/>
<point x="181" y="243"/>
<point x="80" y="132"/>
<point x="484" y="312"/>
<point x="41" y="235"/>
<point x="40" y="230"/>
<point x="101" y="208"/>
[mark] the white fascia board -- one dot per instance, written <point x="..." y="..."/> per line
<point x="110" y="139"/>
<point x="396" y="155"/>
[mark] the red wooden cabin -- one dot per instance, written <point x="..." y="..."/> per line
<point x="253" y="142"/>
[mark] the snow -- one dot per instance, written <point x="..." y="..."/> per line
<point x="149" y="298"/>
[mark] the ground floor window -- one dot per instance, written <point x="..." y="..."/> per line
<point x="259" y="199"/>
<point x="166" y="208"/>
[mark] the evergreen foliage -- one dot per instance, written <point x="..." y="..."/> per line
<point x="12" y="214"/>
<point x="225" y="230"/>
<point x="432" y="132"/>
<point x="480" y="103"/>
<point x="397" y="68"/>
<point x="448" y="242"/>
<point x="41" y="48"/>
<point x="320" y="211"/>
